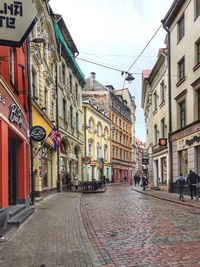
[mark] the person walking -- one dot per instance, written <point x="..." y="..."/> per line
<point x="68" y="182"/>
<point x="144" y="183"/>
<point x="136" y="179"/>
<point x="125" y="179"/>
<point x="180" y="180"/>
<point x="192" y="180"/>
<point x="76" y="182"/>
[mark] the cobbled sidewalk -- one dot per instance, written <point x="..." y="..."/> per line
<point x="172" y="197"/>
<point x="53" y="236"/>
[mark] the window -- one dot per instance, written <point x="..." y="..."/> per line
<point x="98" y="151"/>
<point x="113" y="135"/>
<point x="162" y="91"/>
<point x="90" y="149"/>
<point x="120" y="154"/>
<point x="113" y="118"/>
<point x="76" y="120"/>
<point x="46" y="100"/>
<point x="34" y="85"/>
<point x="181" y="69"/>
<point x="155" y="100"/>
<point x="120" y="123"/>
<point x="120" y="139"/>
<point x="63" y="73"/>
<point x="181" y="28"/>
<point x="70" y="83"/>
<point x="183" y="156"/>
<point x="105" y="153"/>
<point x="113" y="152"/>
<point x="116" y="121"/>
<point x="116" y="153"/>
<point x="197" y="8"/>
<point x="76" y="91"/>
<point x="162" y="127"/>
<point x="197" y="52"/>
<point x="182" y="114"/>
<point x="64" y="109"/>
<point x="12" y="66"/>
<point x="71" y="116"/>
<point x="116" y="137"/>
<point x="155" y="134"/>
<point x="198" y="104"/>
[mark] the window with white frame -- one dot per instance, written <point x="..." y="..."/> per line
<point x="162" y="91"/>
<point x="182" y="114"/>
<point x="181" y="69"/>
<point x="197" y="52"/>
<point x="155" y="135"/>
<point x="197" y="8"/>
<point x="181" y="28"/>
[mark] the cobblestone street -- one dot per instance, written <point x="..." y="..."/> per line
<point x="128" y="228"/>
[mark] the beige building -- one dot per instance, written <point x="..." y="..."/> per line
<point x="96" y="139"/>
<point x="155" y="105"/>
<point x="70" y="81"/>
<point x="43" y="56"/>
<point x="182" y="21"/>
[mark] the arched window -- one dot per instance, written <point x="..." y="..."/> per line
<point x="71" y="115"/>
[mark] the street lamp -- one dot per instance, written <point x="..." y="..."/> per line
<point x="129" y="78"/>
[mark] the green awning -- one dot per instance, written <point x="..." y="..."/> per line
<point x="60" y="39"/>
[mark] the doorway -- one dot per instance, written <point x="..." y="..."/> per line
<point x="13" y="171"/>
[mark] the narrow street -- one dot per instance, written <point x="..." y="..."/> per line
<point x="123" y="228"/>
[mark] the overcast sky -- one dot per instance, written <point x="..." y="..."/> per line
<point x="113" y="33"/>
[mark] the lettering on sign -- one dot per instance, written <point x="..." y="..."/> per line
<point x="9" y="13"/>
<point x="37" y="133"/>
<point x="2" y="100"/>
<point x="15" y="114"/>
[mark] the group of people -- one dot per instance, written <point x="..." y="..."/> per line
<point x="141" y="181"/>
<point x="192" y="180"/>
<point x="71" y="182"/>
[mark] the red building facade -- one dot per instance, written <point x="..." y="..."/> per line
<point x="14" y="144"/>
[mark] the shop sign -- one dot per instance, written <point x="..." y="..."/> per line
<point x="15" y="114"/>
<point x="2" y="100"/>
<point x="94" y="164"/>
<point x="162" y="141"/>
<point x="17" y="18"/>
<point x="87" y="160"/>
<point x="37" y="133"/>
<point x="145" y="161"/>
<point x="191" y="140"/>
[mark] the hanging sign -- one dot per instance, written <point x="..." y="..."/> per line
<point x="17" y="18"/>
<point x="37" y="133"/>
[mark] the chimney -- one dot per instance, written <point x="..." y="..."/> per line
<point x="92" y="79"/>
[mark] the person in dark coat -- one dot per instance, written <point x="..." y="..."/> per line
<point x="192" y="180"/>
<point x="144" y="183"/>
<point x="181" y="184"/>
<point x="68" y="182"/>
<point x="135" y="179"/>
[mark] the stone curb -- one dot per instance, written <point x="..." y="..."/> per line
<point x="167" y="199"/>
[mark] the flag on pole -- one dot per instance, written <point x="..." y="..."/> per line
<point x="60" y="143"/>
<point x="53" y="136"/>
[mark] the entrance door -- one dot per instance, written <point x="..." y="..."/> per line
<point x="13" y="171"/>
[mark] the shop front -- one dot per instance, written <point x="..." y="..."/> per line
<point x="14" y="151"/>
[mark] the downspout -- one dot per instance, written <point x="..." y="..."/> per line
<point x="170" y="160"/>
<point x="32" y="176"/>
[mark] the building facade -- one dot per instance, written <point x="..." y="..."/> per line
<point x="70" y="82"/>
<point x="96" y="139"/>
<point x="43" y="60"/>
<point x="14" y="125"/>
<point x="156" y="82"/>
<point x="182" y="23"/>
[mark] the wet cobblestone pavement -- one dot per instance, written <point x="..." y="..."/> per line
<point x="128" y="228"/>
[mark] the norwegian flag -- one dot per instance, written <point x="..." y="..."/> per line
<point x="53" y="136"/>
<point x="60" y="144"/>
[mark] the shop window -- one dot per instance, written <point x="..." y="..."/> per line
<point x="198" y="104"/>
<point x="183" y="157"/>
<point x="164" y="170"/>
<point x="198" y="159"/>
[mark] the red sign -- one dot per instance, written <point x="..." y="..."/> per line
<point x="87" y="160"/>
<point x="162" y="141"/>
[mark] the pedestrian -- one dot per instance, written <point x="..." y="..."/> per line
<point x="136" y="179"/>
<point x="192" y="180"/>
<point x="104" y="180"/>
<point x="144" y="183"/>
<point x="125" y="179"/>
<point x="76" y="181"/>
<point x="68" y="182"/>
<point x="180" y="180"/>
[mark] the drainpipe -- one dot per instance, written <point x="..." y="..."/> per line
<point x="32" y="176"/>
<point x="170" y="111"/>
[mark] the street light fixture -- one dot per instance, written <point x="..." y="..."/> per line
<point x="129" y="78"/>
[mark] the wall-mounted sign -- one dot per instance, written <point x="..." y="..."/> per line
<point x="162" y="141"/>
<point x="87" y="160"/>
<point x="189" y="141"/>
<point x="17" y="18"/>
<point x="145" y="161"/>
<point x="37" y="133"/>
<point x="15" y="114"/>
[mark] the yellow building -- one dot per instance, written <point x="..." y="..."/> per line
<point x="96" y="139"/>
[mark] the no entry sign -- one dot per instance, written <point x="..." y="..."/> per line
<point x="17" y="18"/>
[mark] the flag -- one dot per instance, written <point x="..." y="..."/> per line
<point x="53" y="136"/>
<point x="60" y="144"/>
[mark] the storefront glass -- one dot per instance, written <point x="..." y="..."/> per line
<point x="198" y="159"/>
<point x="183" y="156"/>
